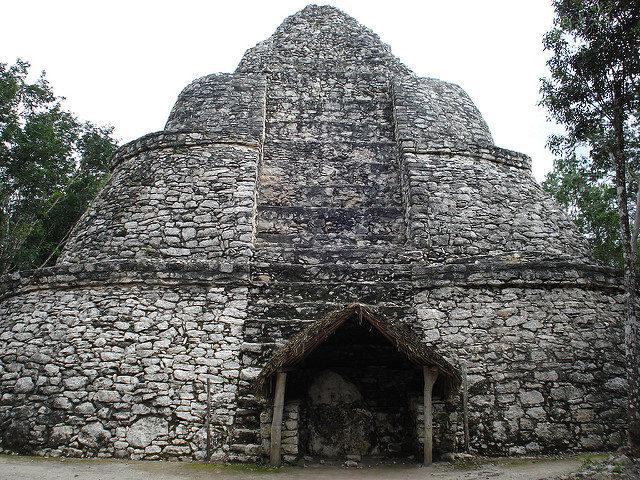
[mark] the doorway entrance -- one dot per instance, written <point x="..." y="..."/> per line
<point x="359" y="380"/>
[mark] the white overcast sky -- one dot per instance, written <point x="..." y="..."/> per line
<point x="123" y="63"/>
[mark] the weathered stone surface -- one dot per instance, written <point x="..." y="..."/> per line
<point x="322" y="172"/>
<point x="61" y="434"/>
<point x="94" y="435"/>
<point x="329" y="388"/>
<point x="75" y="383"/>
<point x="227" y="105"/>
<point x="188" y="202"/>
<point x="142" y="433"/>
<point x="24" y="385"/>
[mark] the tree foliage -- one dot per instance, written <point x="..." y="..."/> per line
<point x="591" y="204"/>
<point x="595" y="46"/>
<point x="51" y="166"/>
<point x="594" y="92"/>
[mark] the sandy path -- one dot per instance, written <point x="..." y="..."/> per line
<point x="30" y="468"/>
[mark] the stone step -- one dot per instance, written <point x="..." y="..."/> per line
<point x="364" y="274"/>
<point x="377" y="256"/>
<point x="332" y="195"/>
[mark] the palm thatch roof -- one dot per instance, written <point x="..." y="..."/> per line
<point x="400" y="336"/>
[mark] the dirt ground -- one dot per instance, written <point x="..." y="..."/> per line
<point x="34" y="468"/>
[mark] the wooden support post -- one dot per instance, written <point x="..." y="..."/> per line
<point x="465" y="405"/>
<point x="430" y="375"/>
<point x="208" y="419"/>
<point x="276" y="422"/>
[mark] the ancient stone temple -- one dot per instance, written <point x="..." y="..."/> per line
<point x="314" y="247"/>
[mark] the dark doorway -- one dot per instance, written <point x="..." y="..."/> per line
<point x="358" y="396"/>
<point x="356" y="380"/>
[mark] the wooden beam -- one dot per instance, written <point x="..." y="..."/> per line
<point x="275" y="453"/>
<point x="430" y="375"/>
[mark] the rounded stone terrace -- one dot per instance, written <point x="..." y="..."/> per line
<point x="321" y="173"/>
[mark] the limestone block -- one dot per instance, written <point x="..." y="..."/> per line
<point x="94" y="435"/>
<point x="110" y="356"/>
<point x="291" y="449"/>
<point x="567" y="393"/>
<point x="152" y="450"/>
<point x="51" y="369"/>
<point x="143" y="432"/>
<point x="62" y="403"/>
<point x="86" y="408"/>
<point x="250" y="373"/>
<point x="584" y="415"/>
<point x="616" y="385"/>
<point x="61" y="434"/>
<point x="108" y="396"/>
<point x="253" y="449"/>
<point x="531" y="397"/>
<point x="75" y="383"/>
<point x="24" y="385"/>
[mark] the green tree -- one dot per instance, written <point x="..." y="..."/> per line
<point x="590" y="201"/>
<point x="594" y="92"/>
<point x="51" y="166"/>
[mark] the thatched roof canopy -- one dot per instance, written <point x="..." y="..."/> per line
<point x="398" y="334"/>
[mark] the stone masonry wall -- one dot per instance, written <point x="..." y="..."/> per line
<point x="434" y="115"/>
<point x="228" y="105"/>
<point x="546" y="366"/>
<point x="290" y="431"/>
<point x="542" y="342"/>
<point x="173" y="200"/>
<point x="321" y="38"/>
<point x="465" y="206"/>
<point x="323" y="172"/>
<point x="329" y="174"/>
<point x="120" y="370"/>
